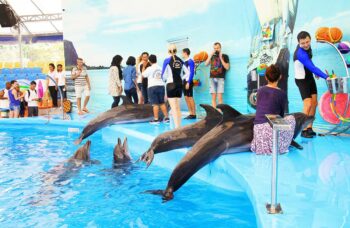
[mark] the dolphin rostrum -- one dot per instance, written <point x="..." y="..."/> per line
<point x="230" y="134"/>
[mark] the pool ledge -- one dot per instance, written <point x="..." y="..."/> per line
<point x="313" y="184"/>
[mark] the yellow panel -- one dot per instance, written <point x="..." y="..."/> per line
<point x="17" y="64"/>
<point x="1" y="64"/>
<point x="31" y="64"/>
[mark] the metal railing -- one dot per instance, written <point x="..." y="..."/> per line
<point x="278" y="124"/>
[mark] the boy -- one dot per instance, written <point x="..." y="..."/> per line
<point x="188" y="84"/>
<point x="31" y="97"/>
<point x="156" y="90"/>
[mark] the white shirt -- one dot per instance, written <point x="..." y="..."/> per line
<point x="5" y="104"/>
<point x="53" y="75"/>
<point x="29" y="98"/>
<point x="138" y="74"/>
<point x="61" y="78"/>
<point x="154" y="75"/>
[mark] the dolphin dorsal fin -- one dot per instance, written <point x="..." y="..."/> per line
<point x="125" y="100"/>
<point x="229" y="113"/>
<point x="211" y="111"/>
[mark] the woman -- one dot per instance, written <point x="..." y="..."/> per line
<point x="115" y="75"/>
<point x="270" y="100"/>
<point x="174" y="71"/>
<point x="138" y="81"/>
<point x="129" y="75"/>
<point x="15" y="100"/>
<point x="51" y="84"/>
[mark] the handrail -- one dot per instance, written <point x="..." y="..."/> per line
<point x="61" y="94"/>
<point x="277" y="123"/>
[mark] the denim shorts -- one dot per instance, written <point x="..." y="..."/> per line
<point x="156" y="95"/>
<point x="15" y="107"/>
<point x="217" y="85"/>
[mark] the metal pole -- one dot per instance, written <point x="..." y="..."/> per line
<point x="20" y="46"/>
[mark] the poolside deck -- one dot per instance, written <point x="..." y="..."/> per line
<point x="313" y="187"/>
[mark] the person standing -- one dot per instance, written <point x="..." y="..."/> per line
<point x="138" y="82"/>
<point x="15" y="100"/>
<point x="31" y="97"/>
<point x="142" y="67"/>
<point x="156" y="90"/>
<point x="188" y="84"/>
<point x="82" y="85"/>
<point x="4" y="99"/>
<point x="129" y="75"/>
<point x="61" y="78"/>
<point x="115" y="80"/>
<point x="304" y="78"/>
<point x="173" y="72"/>
<point x="219" y="65"/>
<point x="52" y="83"/>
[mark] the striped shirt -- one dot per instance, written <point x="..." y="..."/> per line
<point x="81" y="80"/>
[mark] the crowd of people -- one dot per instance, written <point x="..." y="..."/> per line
<point x="146" y="82"/>
<point x="26" y="103"/>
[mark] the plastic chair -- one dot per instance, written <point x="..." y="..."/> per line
<point x="16" y="70"/>
<point x="6" y="71"/>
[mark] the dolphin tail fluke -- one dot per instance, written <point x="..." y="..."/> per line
<point x="229" y="113"/>
<point x="78" y="141"/>
<point x="211" y="111"/>
<point x="166" y="195"/>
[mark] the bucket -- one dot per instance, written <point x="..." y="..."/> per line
<point x="338" y="85"/>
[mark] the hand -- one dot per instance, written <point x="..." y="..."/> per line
<point x="212" y="53"/>
<point x="329" y="78"/>
<point x="56" y="88"/>
<point x="187" y="86"/>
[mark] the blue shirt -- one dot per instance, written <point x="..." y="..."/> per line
<point x="129" y="75"/>
<point x="269" y="101"/>
<point x="303" y="57"/>
<point x="191" y="67"/>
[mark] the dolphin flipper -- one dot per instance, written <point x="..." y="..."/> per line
<point x="296" y="145"/>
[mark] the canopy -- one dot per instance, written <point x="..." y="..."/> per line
<point x="37" y="18"/>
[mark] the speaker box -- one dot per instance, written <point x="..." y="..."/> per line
<point x="7" y="16"/>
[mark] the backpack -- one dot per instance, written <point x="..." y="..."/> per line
<point x="29" y="92"/>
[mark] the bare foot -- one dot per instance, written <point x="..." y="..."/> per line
<point x="80" y="113"/>
<point x="85" y="110"/>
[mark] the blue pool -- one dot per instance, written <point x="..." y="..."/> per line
<point x="98" y="195"/>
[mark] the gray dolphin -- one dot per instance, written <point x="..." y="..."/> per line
<point x="184" y="136"/>
<point x="126" y="113"/>
<point x="231" y="133"/>
<point x="63" y="172"/>
<point x="121" y="152"/>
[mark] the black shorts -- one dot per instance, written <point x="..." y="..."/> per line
<point x="307" y="87"/>
<point x="156" y="95"/>
<point x="187" y="92"/>
<point x="174" y="90"/>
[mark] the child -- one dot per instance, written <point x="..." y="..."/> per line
<point x="270" y="100"/>
<point x="31" y="97"/>
<point x="156" y="90"/>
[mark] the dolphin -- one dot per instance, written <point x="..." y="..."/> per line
<point x="128" y="112"/>
<point x="231" y="133"/>
<point x="62" y="172"/>
<point x="184" y="136"/>
<point x="121" y="152"/>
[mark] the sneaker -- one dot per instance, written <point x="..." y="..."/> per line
<point x="192" y="117"/>
<point x="166" y="120"/>
<point x="306" y="134"/>
<point x="154" y="121"/>
<point x="187" y="117"/>
<point x="311" y="132"/>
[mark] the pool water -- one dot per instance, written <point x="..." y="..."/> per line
<point x="98" y="195"/>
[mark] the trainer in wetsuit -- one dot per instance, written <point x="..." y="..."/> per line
<point x="173" y="72"/>
<point x="188" y="84"/>
<point x="304" y="78"/>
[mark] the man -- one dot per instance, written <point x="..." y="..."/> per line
<point x="219" y="64"/>
<point x="304" y="79"/>
<point x="142" y="67"/>
<point x="82" y="85"/>
<point x="156" y="90"/>
<point x="4" y="99"/>
<point x="31" y="97"/>
<point x="188" y="84"/>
